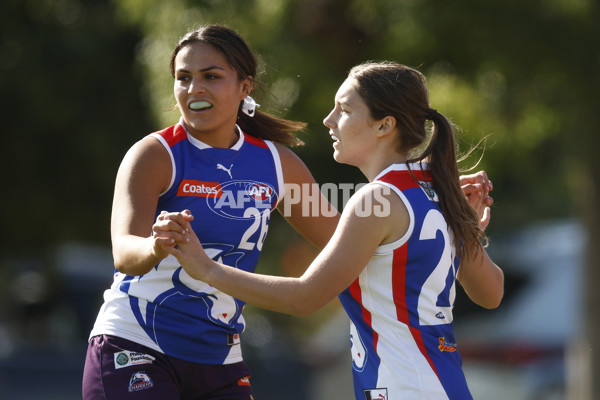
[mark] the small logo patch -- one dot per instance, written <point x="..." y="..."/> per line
<point x="259" y="191"/>
<point x="127" y="358"/>
<point x="140" y="381"/>
<point x="446" y="346"/>
<point x="224" y="168"/>
<point x="233" y="339"/>
<point x="376" y="394"/>
<point x="244" y="381"/>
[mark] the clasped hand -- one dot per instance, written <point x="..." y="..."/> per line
<point x="174" y="235"/>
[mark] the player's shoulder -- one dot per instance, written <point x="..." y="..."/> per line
<point x="170" y="136"/>
<point x="286" y="155"/>
<point x="150" y="152"/>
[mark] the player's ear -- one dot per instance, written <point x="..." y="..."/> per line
<point x="247" y="86"/>
<point x="386" y="125"/>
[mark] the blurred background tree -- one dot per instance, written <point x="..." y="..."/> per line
<point x="82" y="80"/>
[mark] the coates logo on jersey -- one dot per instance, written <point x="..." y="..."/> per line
<point x="242" y="199"/>
<point x="192" y="187"/>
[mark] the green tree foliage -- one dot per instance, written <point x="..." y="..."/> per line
<point x="70" y="108"/>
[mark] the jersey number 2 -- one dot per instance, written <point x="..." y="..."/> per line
<point x="430" y="313"/>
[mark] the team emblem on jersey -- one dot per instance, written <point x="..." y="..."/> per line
<point x="376" y="394"/>
<point x="140" y="381"/>
<point x="446" y="346"/>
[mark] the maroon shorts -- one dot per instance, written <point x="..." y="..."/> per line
<point x="118" y="369"/>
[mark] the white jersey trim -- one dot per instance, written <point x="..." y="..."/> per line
<point x="390" y="247"/>
<point x="278" y="169"/>
<point x="202" y="146"/>
<point x="166" y="146"/>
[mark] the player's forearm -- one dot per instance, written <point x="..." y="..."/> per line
<point x="482" y="280"/>
<point x="134" y="255"/>
<point x="275" y="293"/>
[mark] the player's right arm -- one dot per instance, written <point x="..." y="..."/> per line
<point x="143" y="175"/>
<point x="333" y="270"/>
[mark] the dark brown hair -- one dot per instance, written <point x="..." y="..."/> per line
<point x="391" y="89"/>
<point x="241" y="58"/>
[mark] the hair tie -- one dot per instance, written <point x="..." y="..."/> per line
<point x="249" y="106"/>
<point x="432" y="112"/>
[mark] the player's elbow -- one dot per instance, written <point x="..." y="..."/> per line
<point x="491" y="304"/>
<point x="492" y="299"/>
<point x="128" y="265"/>
<point x="304" y="304"/>
<point x="308" y="311"/>
<point x="303" y="308"/>
<point x="120" y="262"/>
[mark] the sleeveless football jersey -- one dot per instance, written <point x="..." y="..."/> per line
<point x="400" y="306"/>
<point x="231" y="193"/>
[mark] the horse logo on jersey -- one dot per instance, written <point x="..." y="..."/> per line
<point x="358" y="350"/>
<point x="182" y="294"/>
<point x="228" y="170"/>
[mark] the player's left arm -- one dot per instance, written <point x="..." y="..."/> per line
<point x="481" y="278"/>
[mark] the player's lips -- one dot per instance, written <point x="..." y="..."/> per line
<point x="334" y="137"/>
<point x="199" y="105"/>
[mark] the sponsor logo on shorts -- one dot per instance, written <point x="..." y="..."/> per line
<point x="127" y="358"/>
<point x="140" y="381"/>
<point x="244" y="381"/>
<point x="446" y="346"/>
<point x="376" y="394"/>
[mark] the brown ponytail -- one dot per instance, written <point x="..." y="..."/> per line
<point x="391" y="89"/>
<point x="241" y="58"/>
<point x="270" y="127"/>
<point x="441" y="157"/>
